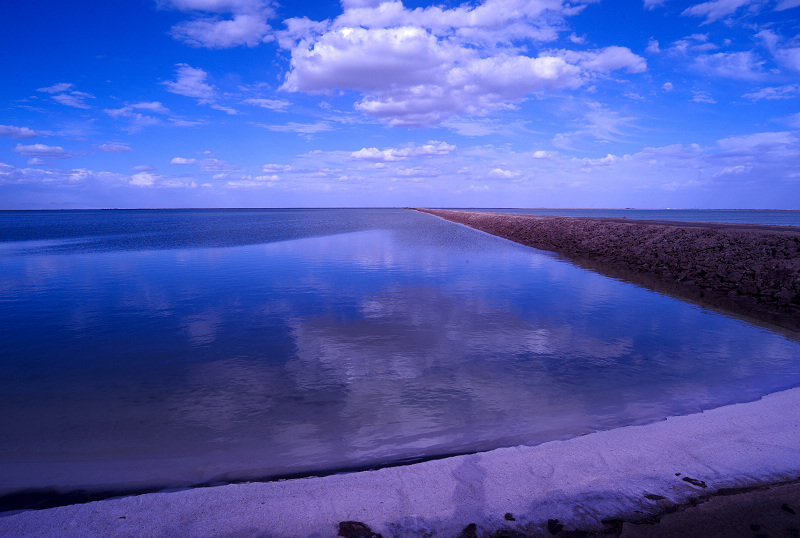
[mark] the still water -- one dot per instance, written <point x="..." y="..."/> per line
<point x="179" y="347"/>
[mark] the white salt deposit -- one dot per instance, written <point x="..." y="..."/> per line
<point x="579" y="482"/>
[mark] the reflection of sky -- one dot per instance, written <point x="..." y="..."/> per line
<point x="413" y="337"/>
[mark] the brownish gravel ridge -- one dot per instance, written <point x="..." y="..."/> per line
<point x="749" y="270"/>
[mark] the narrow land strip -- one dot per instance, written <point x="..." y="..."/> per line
<point x="748" y="270"/>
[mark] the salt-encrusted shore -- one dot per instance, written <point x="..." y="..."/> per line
<point x="614" y="482"/>
<point x="751" y="270"/>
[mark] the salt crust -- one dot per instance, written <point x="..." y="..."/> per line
<point x="578" y="482"/>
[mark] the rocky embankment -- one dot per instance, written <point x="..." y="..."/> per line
<point x="752" y="270"/>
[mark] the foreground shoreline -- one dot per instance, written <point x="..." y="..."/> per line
<point x="616" y="482"/>
<point x="750" y="270"/>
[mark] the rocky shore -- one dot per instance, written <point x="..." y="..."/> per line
<point x="749" y="270"/>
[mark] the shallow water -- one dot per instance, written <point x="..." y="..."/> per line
<point x="139" y="350"/>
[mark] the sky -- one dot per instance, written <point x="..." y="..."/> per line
<point x="368" y="103"/>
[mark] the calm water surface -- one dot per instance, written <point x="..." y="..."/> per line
<point x="169" y="348"/>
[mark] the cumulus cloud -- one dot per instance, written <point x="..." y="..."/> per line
<point x="182" y="160"/>
<point x="17" y="133"/>
<point x="431" y="149"/>
<point x="43" y="151"/>
<point x="143" y="179"/>
<point x="147" y="179"/>
<point x="114" y="148"/>
<point x="274" y="168"/>
<point x="418" y="67"/>
<point x="219" y="24"/>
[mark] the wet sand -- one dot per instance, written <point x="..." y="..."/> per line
<point x="752" y="271"/>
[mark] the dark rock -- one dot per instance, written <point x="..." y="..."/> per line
<point x="470" y="531"/>
<point x="554" y="526"/>
<point x="356" y="529"/>
<point x="654" y="497"/>
<point x="509" y="517"/>
<point x="694" y="482"/>
<point x="786" y="508"/>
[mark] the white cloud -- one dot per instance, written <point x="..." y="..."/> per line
<point x="182" y="160"/>
<point x="225" y="109"/>
<point x="153" y="106"/>
<point x="146" y="179"/>
<point x="418" y="67"/>
<point x="652" y="4"/>
<point x="233" y="23"/>
<point x="17" y="133"/>
<point x="36" y="161"/>
<point x="143" y="168"/>
<point x="273" y="168"/>
<point x="653" y="46"/>
<point x="114" y="148"/>
<point x="278" y="105"/>
<point x="788" y="91"/>
<point x="43" y="151"/>
<point x="716" y="9"/>
<point x="788" y="56"/>
<point x="191" y="82"/>
<point x="703" y="97"/>
<point x="73" y="99"/>
<point x="738" y="65"/>
<point x="608" y="160"/>
<point x="56" y="88"/>
<point x="668" y="86"/>
<point x="758" y="141"/>
<point x="300" y="128"/>
<point x="503" y="173"/>
<point x="216" y="33"/>
<point x="136" y="120"/>
<point x="598" y="124"/>
<point x="143" y="179"/>
<point x="607" y="60"/>
<point x="431" y="149"/>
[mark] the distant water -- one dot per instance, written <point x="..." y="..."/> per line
<point x="736" y="216"/>
<point x="177" y="347"/>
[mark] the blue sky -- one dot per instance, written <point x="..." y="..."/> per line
<point x="495" y="103"/>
